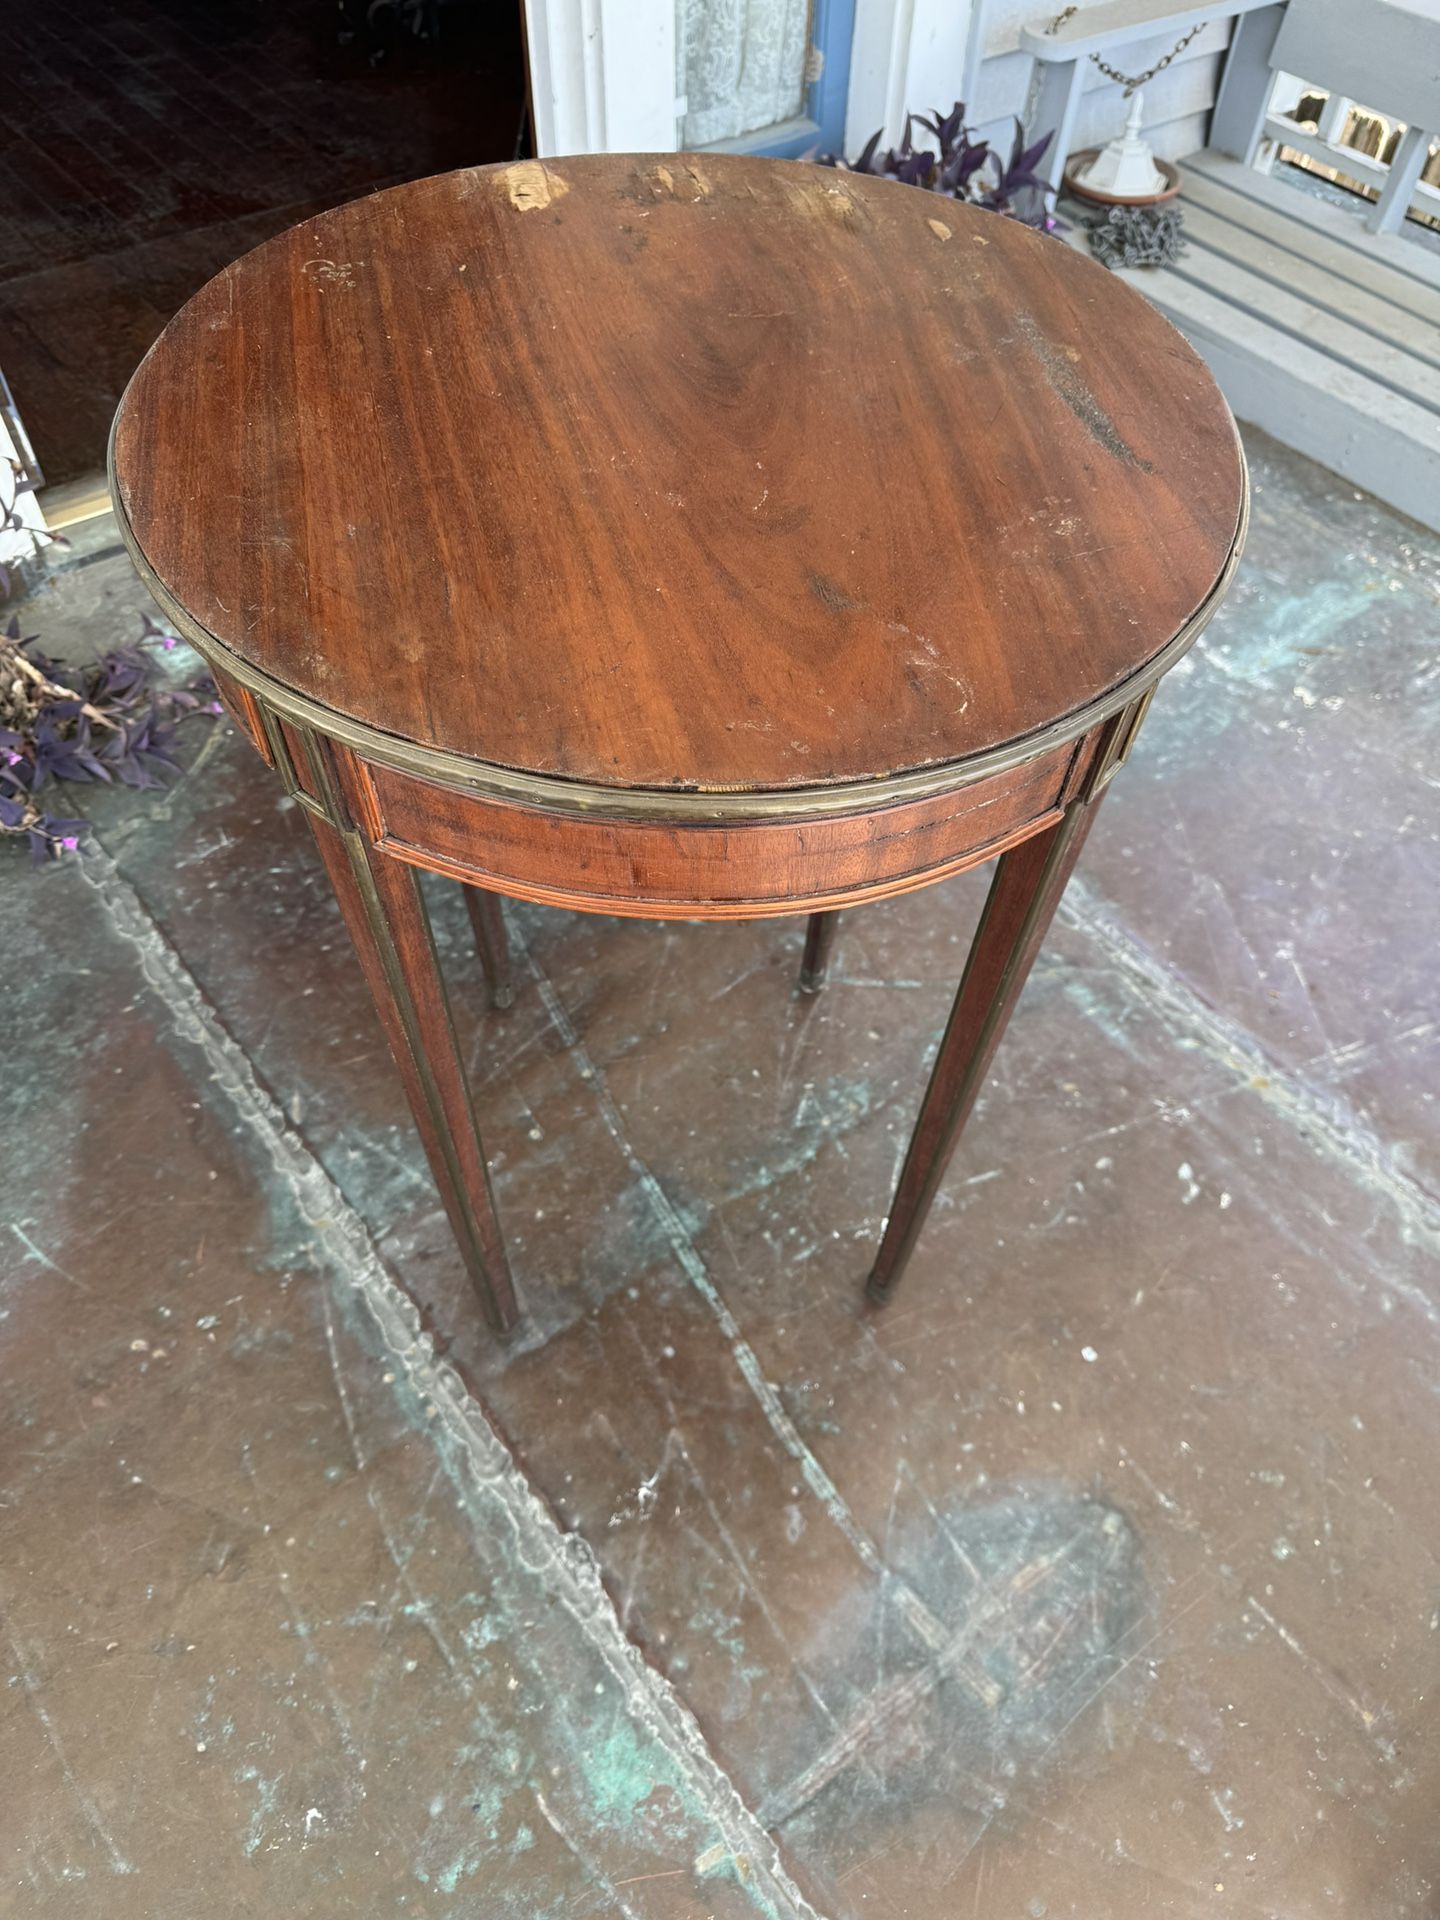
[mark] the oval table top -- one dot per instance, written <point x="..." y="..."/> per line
<point x="674" y="472"/>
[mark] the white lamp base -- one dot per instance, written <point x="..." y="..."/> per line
<point x="1126" y="169"/>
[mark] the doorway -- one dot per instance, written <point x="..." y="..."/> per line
<point x="152" y="142"/>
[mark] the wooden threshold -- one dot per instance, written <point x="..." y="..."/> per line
<point x="74" y="501"/>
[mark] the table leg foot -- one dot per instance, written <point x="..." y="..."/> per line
<point x="819" y="939"/>
<point x="487" y="917"/>
<point x="385" y="912"/>
<point x="1024" y="894"/>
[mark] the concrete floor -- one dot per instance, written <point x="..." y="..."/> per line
<point x="1099" y="1576"/>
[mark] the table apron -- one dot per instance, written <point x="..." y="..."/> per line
<point x="720" y="870"/>
<point x="656" y="868"/>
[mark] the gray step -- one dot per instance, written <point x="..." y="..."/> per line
<point x="1263" y="344"/>
<point x="1411" y="260"/>
<point x="1289" y="261"/>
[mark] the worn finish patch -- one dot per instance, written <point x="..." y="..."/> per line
<point x="1062" y="370"/>
<point x="684" y="181"/>
<point x="531" y="185"/>
<point x="831" y="594"/>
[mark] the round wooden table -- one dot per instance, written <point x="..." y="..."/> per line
<point x="681" y="536"/>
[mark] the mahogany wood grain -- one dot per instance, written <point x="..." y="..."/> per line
<point x="709" y="472"/>
<point x="702" y="870"/>
<point x="385" y="914"/>
<point x="243" y="709"/>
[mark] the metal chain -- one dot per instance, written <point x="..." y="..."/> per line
<point x="1130" y="81"/>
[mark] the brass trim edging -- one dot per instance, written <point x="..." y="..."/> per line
<point x="550" y="793"/>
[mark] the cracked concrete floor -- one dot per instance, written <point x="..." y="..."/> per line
<point x="1096" y="1577"/>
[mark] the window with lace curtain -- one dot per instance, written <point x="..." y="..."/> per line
<point x="741" y="66"/>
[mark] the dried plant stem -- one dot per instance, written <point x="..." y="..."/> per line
<point x="52" y="687"/>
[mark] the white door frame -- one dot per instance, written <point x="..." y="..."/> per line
<point x="602" y="72"/>
<point x="909" y="56"/>
<point x="602" y="75"/>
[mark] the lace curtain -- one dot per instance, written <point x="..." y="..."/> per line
<point x="741" y="65"/>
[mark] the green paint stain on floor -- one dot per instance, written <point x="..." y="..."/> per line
<point x="621" y="1773"/>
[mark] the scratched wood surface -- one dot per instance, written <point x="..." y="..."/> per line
<point x="720" y="473"/>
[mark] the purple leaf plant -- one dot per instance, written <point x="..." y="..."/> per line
<point x="962" y="167"/>
<point x="112" y="721"/>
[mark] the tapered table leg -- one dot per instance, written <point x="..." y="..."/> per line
<point x="381" y="900"/>
<point x="819" y="939"/>
<point x="1024" y="894"/>
<point x="487" y="917"/>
